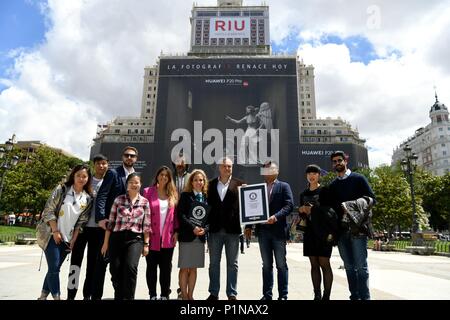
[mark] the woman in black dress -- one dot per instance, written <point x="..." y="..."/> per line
<point x="319" y="236"/>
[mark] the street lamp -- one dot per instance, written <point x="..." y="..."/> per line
<point x="409" y="164"/>
<point x="9" y="161"/>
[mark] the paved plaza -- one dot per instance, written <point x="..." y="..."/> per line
<point x="393" y="276"/>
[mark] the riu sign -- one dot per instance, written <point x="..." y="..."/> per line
<point x="225" y="27"/>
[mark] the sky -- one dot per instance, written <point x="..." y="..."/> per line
<point x="68" y="65"/>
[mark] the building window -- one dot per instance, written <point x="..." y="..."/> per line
<point x="308" y="110"/>
<point x="443" y="145"/>
<point x="441" y="129"/>
<point x="117" y="131"/>
<point x="129" y="131"/>
<point x="444" y="153"/>
<point x="308" y="103"/>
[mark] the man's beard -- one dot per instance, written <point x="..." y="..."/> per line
<point x="340" y="168"/>
<point x="128" y="166"/>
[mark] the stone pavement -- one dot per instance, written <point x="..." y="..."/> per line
<point x="392" y="276"/>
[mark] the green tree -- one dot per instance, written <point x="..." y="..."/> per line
<point x="436" y="199"/>
<point x="29" y="185"/>
<point x="393" y="208"/>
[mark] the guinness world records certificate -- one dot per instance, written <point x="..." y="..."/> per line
<point x="253" y="204"/>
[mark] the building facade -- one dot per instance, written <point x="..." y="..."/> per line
<point x="430" y="143"/>
<point x="230" y="66"/>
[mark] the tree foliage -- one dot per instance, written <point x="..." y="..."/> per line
<point x="29" y="184"/>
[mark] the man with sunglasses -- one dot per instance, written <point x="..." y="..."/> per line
<point x="114" y="185"/>
<point x="349" y="186"/>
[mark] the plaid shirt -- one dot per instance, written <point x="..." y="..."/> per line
<point x="125" y="216"/>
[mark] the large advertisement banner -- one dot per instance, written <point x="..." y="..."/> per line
<point x="225" y="27"/>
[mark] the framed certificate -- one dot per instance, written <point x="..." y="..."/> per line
<point x="253" y="204"/>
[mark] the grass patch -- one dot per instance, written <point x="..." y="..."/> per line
<point x="13" y="230"/>
<point x="9" y="234"/>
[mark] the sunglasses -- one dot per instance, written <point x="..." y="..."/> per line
<point x="128" y="155"/>
<point x="338" y="161"/>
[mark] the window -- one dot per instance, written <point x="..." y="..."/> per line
<point x="444" y="153"/>
<point x="230" y="14"/>
<point x="129" y="131"/>
<point x="308" y="103"/>
<point x="338" y="131"/>
<point x="443" y="145"/>
<point x="441" y="129"/>
<point x="206" y="14"/>
<point x="117" y="131"/>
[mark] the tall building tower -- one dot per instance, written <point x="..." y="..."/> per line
<point x="430" y="143"/>
<point x="306" y="91"/>
<point x="230" y="29"/>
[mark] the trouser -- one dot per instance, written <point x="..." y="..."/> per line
<point x="216" y="242"/>
<point x="125" y="249"/>
<point x="270" y="246"/>
<point x="92" y="237"/>
<point x="163" y="258"/>
<point x="353" y="251"/>
<point x="55" y="255"/>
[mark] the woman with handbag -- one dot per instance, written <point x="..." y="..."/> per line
<point x="320" y="223"/>
<point x="65" y="213"/>
<point x="127" y="237"/>
<point x="191" y="236"/>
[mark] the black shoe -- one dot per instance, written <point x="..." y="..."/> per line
<point x="282" y="298"/>
<point x="212" y="298"/>
<point x="266" y="298"/>
<point x="317" y="296"/>
<point x="231" y="298"/>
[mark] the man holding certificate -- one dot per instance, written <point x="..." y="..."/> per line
<point x="272" y="236"/>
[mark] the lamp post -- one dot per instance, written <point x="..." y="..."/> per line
<point x="409" y="164"/>
<point x="9" y="161"/>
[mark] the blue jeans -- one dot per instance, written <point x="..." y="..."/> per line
<point x="353" y="251"/>
<point x="55" y="255"/>
<point x="216" y="241"/>
<point x="271" y="246"/>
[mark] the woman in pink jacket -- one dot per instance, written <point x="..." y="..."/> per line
<point x="162" y="196"/>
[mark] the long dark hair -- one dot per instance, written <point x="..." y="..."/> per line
<point x="171" y="190"/>
<point x="71" y="179"/>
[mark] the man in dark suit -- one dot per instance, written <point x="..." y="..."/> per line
<point x="224" y="229"/>
<point x="272" y="236"/>
<point x="114" y="185"/>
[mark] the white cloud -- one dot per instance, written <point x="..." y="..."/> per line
<point x="89" y="69"/>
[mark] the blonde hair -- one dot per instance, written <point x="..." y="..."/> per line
<point x="170" y="188"/>
<point x="189" y="188"/>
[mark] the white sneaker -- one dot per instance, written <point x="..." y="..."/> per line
<point x="154" y="298"/>
<point x="163" y="298"/>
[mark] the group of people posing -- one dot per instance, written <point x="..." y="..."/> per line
<point x="119" y="221"/>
